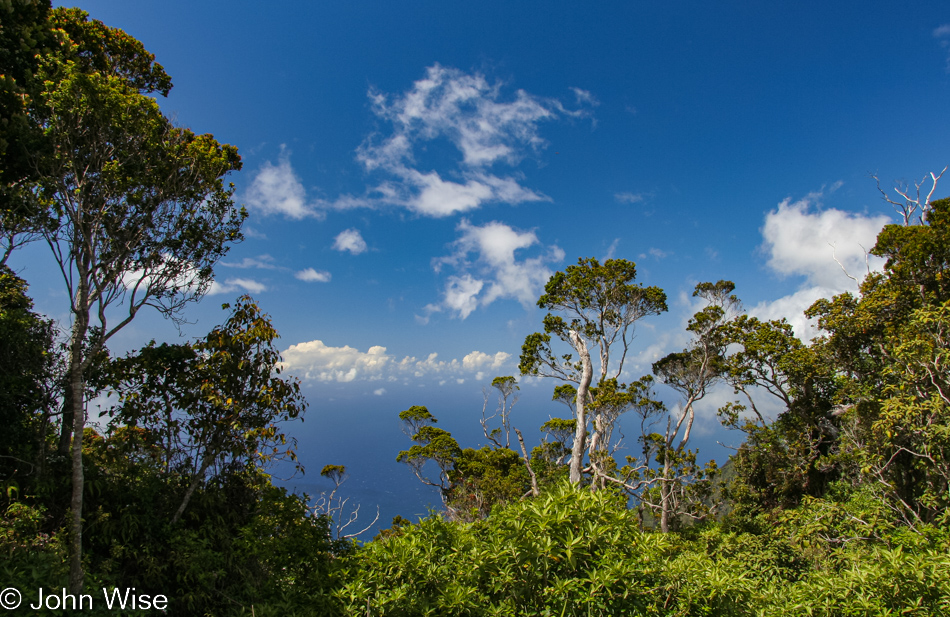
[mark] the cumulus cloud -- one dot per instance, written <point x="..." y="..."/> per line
<point x="803" y="239"/>
<point x="233" y="285"/>
<point x="313" y="276"/>
<point x="350" y="240"/>
<point x="316" y="361"/>
<point x="792" y="309"/>
<point x="276" y="189"/>
<point x="488" y="269"/>
<point x="477" y="360"/>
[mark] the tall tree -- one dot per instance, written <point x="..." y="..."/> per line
<point x="691" y="373"/>
<point x="890" y="346"/>
<point x="141" y="212"/>
<point x="214" y="404"/>
<point x="601" y="306"/>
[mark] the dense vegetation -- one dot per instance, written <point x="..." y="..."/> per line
<point x="836" y="506"/>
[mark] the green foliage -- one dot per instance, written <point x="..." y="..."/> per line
<point x="549" y="555"/>
<point x="573" y="552"/>
<point x="242" y="541"/>
<point x="432" y="445"/>
<point x="215" y="404"/>
<point x="889" y="346"/>
<point x="600" y="301"/>
<point x="25" y="35"/>
<point x="27" y="375"/>
<point x="471" y="481"/>
<point x="483" y="479"/>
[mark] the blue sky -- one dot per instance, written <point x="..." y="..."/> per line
<point x="415" y="171"/>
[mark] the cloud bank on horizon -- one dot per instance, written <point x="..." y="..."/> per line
<point x="314" y="361"/>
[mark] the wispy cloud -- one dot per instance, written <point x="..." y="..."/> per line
<point x="655" y="253"/>
<point x="942" y="34"/>
<point x="233" y="285"/>
<point x="313" y="276"/>
<point x="487" y="268"/>
<point x="486" y="127"/>
<point x="316" y="361"/>
<point x="350" y="240"/>
<point x="629" y="198"/>
<point x="262" y="262"/>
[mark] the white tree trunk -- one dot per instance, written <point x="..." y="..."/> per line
<point x="583" y="388"/>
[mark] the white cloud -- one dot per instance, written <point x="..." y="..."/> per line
<point x="655" y="253"/>
<point x="379" y="391"/>
<point x="350" y="240"/>
<point x="477" y="360"/>
<point x="250" y="232"/>
<point x="313" y="276"/>
<point x="584" y="97"/>
<point x="802" y="239"/>
<point x="437" y="197"/>
<point x="495" y="273"/>
<point x="316" y="361"/>
<point x="461" y="294"/>
<point x="485" y="127"/>
<point x="276" y="189"/>
<point x="792" y="308"/>
<point x="464" y="108"/>
<point x="169" y="274"/>
<point x="629" y="198"/>
<point x="234" y="284"/>
<point x="263" y="262"/>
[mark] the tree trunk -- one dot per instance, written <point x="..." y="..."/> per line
<point x="665" y="497"/>
<point x="191" y="489"/>
<point x="66" y="422"/>
<point x="527" y="463"/>
<point x="580" y="432"/>
<point x="76" y="403"/>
